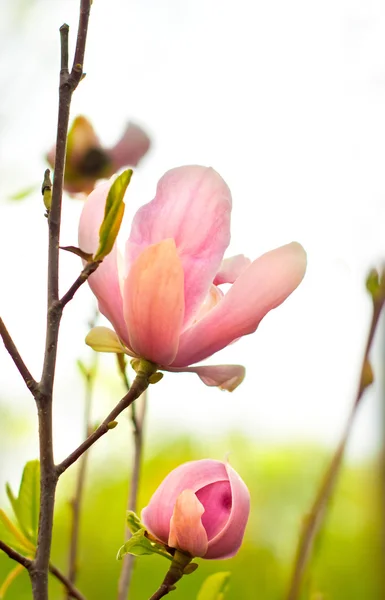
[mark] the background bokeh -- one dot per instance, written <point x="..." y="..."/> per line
<point x="286" y="101"/>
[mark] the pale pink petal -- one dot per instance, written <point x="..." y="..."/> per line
<point x="217" y="501"/>
<point x="231" y="268"/>
<point x="226" y="377"/>
<point x="264" y="285"/>
<point x="214" y="296"/>
<point x="228" y="541"/>
<point x="186" y="530"/>
<point x="132" y="146"/>
<point x="105" y="281"/>
<point x="154" y="303"/>
<point x="192" y="205"/>
<point x="191" y="475"/>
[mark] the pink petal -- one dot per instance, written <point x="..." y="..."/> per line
<point x="228" y="541"/>
<point x="154" y="303"/>
<point x="226" y="377"/>
<point x="191" y="475"/>
<point x="132" y="146"/>
<point x="231" y="268"/>
<point x="192" y="205"/>
<point x="105" y="281"/>
<point x="216" y="499"/>
<point x="264" y="285"/>
<point x="186" y="530"/>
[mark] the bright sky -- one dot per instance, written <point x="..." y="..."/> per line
<point x="286" y="101"/>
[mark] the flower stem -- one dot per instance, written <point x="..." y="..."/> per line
<point x="315" y="517"/>
<point x="173" y="575"/>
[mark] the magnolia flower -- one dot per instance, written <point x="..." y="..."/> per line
<point x="164" y="299"/>
<point x="202" y="508"/>
<point x="87" y="160"/>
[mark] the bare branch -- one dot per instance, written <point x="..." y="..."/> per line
<point x="22" y="560"/>
<point x="315" y="517"/>
<point x="15" y="355"/>
<point x="137" y="388"/>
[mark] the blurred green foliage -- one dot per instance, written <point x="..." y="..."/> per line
<point x="346" y="565"/>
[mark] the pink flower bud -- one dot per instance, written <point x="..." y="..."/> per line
<point x="202" y="508"/>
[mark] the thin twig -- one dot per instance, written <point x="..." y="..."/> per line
<point x="22" y="560"/>
<point x="315" y="518"/>
<point x="84" y="275"/>
<point x="137" y="419"/>
<point x="27" y="564"/>
<point x="76" y="501"/>
<point x="15" y="355"/>
<point x="72" y="591"/>
<point x="48" y="475"/>
<point x="173" y="575"/>
<point x="137" y="388"/>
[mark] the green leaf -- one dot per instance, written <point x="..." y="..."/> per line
<point x="215" y="586"/>
<point x="26" y="506"/>
<point x="22" y="194"/>
<point x="113" y="214"/>
<point x="12" y="536"/>
<point x="139" y="544"/>
<point x="134" y="524"/>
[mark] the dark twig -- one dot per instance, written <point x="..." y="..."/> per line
<point x="84" y="275"/>
<point x="27" y="564"/>
<point x="14" y="353"/>
<point x="22" y="560"/>
<point x="315" y="518"/>
<point x="72" y="591"/>
<point x="173" y="575"/>
<point x="137" y="419"/>
<point x="137" y="388"/>
<point x="48" y="474"/>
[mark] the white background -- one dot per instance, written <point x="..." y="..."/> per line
<point x="287" y="101"/>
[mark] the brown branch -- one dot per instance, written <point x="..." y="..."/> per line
<point x="173" y="575"/>
<point x="72" y="591"/>
<point x="22" y="560"/>
<point x="27" y="564"/>
<point x="15" y="355"/>
<point x="315" y="518"/>
<point x="138" y="424"/>
<point x="84" y="275"/>
<point x="137" y="388"/>
<point x="48" y="474"/>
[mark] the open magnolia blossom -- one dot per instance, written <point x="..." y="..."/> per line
<point x="88" y="161"/>
<point x="163" y="299"/>
<point x="202" y="508"/>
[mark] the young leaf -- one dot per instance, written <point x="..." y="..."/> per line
<point x="133" y="522"/>
<point x="21" y="194"/>
<point x="11" y="535"/>
<point x="113" y="214"/>
<point x="26" y="506"/>
<point x="139" y="545"/>
<point x="215" y="586"/>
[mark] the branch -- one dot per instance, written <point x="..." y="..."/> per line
<point x="48" y="475"/>
<point x="22" y="560"/>
<point x="138" y="424"/>
<point x="73" y="592"/>
<point x="137" y="388"/>
<point x="84" y="275"/>
<point x="14" y="353"/>
<point x="27" y="563"/>
<point x="315" y="518"/>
